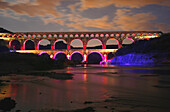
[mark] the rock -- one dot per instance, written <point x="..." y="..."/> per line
<point x="88" y="102"/>
<point x="105" y="107"/>
<point x="7" y="104"/>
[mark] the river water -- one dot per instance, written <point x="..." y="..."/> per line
<point x="127" y="88"/>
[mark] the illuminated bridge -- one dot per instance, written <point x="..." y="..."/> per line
<point x="61" y="44"/>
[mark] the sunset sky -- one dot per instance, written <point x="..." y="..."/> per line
<point x="84" y="15"/>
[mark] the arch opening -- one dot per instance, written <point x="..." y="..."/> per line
<point x="29" y="45"/>
<point x="60" y="56"/>
<point x="77" y="56"/>
<point x="76" y="44"/>
<point x="44" y="54"/>
<point x="112" y="44"/>
<point x="95" y="58"/>
<point x="60" y="44"/>
<point x="15" y="45"/>
<point x="44" y="44"/>
<point x="127" y="41"/>
<point x="94" y="44"/>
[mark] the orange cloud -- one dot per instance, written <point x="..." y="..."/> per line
<point x="15" y="16"/>
<point x="79" y="22"/>
<point x="36" y="8"/>
<point x="77" y="26"/>
<point x="86" y="4"/>
<point x="101" y="23"/>
<point x="125" y="20"/>
<point x="139" y="21"/>
<point x="53" y="20"/>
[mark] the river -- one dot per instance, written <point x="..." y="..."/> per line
<point x="106" y="88"/>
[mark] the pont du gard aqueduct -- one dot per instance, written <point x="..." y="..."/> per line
<point x="61" y="44"/>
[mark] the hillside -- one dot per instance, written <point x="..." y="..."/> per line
<point x="152" y="51"/>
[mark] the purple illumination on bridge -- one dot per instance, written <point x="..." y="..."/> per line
<point x="97" y="53"/>
<point x="59" y="53"/>
<point x="78" y="53"/>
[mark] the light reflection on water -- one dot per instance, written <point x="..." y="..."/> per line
<point x="90" y="83"/>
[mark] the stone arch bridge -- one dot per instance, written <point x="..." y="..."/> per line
<point x="23" y="38"/>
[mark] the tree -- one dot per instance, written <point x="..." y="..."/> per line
<point x="3" y="46"/>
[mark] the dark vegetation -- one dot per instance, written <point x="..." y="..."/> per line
<point x="3" y="47"/>
<point x="12" y="62"/>
<point x="2" y="30"/>
<point x="95" y="47"/>
<point x="41" y="47"/>
<point x="154" y="45"/>
<point x="111" y="46"/>
<point x="60" y="45"/>
<point x="76" y="47"/>
<point x="18" y="63"/>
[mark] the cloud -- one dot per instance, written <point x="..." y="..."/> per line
<point x="126" y="20"/>
<point x="35" y="8"/>
<point x="101" y="23"/>
<point x="80" y="23"/>
<point x="86" y="4"/>
<point x="10" y="14"/>
<point x="163" y="27"/>
<point x="73" y="7"/>
<point x="52" y="19"/>
<point x="129" y="21"/>
<point x="76" y="26"/>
